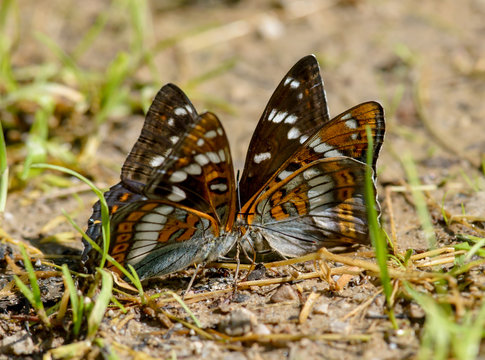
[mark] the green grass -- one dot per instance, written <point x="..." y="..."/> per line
<point x="376" y="234"/>
<point x="3" y="171"/>
<point x="32" y="294"/>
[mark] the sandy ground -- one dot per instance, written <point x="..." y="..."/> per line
<point x="423" y="61"/>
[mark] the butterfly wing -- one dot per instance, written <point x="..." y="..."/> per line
<point x="181" y="161"/>
<point x="320" y="204"/>
<point x="162" y="125"/>
<point x="159" y="237"/>
<point x="294" y="226"/>
<point x="295" y="111"/>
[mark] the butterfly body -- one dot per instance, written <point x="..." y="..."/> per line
<point x="302" y="186"/>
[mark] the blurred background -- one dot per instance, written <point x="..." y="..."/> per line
<point x="77" y="77"/>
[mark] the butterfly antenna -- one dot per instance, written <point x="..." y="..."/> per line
<point x="238" y="177"/>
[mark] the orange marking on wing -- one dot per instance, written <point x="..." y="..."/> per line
<point x="213" y="175"/>
<point x="121" y="238"/>
<point x="278" y="214"/>
<point x="120" y="248"/>
<point x="149" y="206"/>
<point x="135" y="216"/>
<point x="125" y="197"/>
<point x="125" y="227"/>
<point x="114" y="208"/>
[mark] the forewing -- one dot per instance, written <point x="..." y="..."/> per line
<point x="295" y="111"/>
<point x="198" y="173"/>
<point x="170" y="116"/>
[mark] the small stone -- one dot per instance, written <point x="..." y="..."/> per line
<point x="261" y="329"/>
<point x="416" y="311"/>
<point x="321" y="308"/>
<point x="284" y="293"/>
<point x="238" y="323"/>
<point x="18" y="344"/>
<point x="339" y="327"/>
<point x="258" y="272"/>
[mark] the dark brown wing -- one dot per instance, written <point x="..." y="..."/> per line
<point x="296" y="110"/>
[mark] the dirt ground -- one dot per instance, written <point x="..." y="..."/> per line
<point x="422" y="60"/>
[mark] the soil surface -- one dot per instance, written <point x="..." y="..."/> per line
<point x="422" y="60"/>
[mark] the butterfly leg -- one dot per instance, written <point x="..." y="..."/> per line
<point x="238" y="262"/>
<point x="191" y="282"/>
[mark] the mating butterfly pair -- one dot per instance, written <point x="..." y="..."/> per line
<point x="302" y="187"/>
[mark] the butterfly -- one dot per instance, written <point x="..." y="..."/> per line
<point x="302" y="185"/>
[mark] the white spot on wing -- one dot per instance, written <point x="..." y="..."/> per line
<point x="171" y="122"/>
<point x="157" y="160"/>
<point x="303" y="138"/>
<point x="291" y="119"/>
<point x="189" y="109"/>
<point x="178" y="176"/>
<point x="293" y="133"/>
<point x="279" y="117"/>
<point x="284" y="174"/>
<point x="144" y="243"/>
<point x="288" y="80"/>
<point x="294" y="84"/>
<point x="164" y="209"/>
<point x="319" y="180"/>
<point x="174" y="139"/>
<point x="150" y="227"/>
<point x="351" y="124"/>
<point x="272" y="114"/>
<point x="177" y="194"/>
<point x="201" y="159"/>
<point x="346" y="116"/>
<point x="261" y="157"/>
<point x="210" y="134"/>
<point x="193" y="169"/>
<point x="213" y="157"/>
<point x="220" y="131"/>
<point x="222" y="155"/>
<point x="319" y="190"/>
<point x="219" y="187"/>
<point x="200" y="142"/>
<point x="180" y="111"/>
<point x="153" y="218"/>
<point x="327" y="149"/>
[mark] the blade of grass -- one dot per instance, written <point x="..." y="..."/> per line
<point x="112" y="94"/>
<point x="375" y="232"/>
<point x="101" y="304"/>
<point x="186" y="308"/>
<point x="67" y="61"/>
<point x="77" y="302"/>
<point x="104" y="208"/>
<point x="37" y="141"/>
<point x="7" y="78"/>
<point x="3" y="172"/>
<point x="33" y="294"/>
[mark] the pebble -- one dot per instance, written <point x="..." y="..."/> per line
<point x="238" y="322"/>
<point x="18" y="344"/>
<point x="284" y="293"/>
<point x="321" y="308"/>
